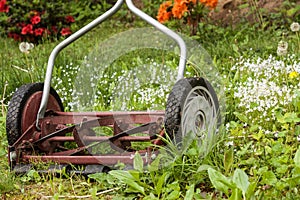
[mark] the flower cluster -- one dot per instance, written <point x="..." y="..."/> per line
<point x="25" y="21"/>
<point x="264" y="85"/>
<point x="191" y="10"/>
<point x="180" y="7"/>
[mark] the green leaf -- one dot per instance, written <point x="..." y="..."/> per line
<point x="297" y="157"/>
<point x="258" y="136"/>
<point x="236" y="194"/>
<point x="190" y="193"/>
<point x="151" y="196"/>
<point x="162" y="179"/>
<point x="241" y="117"/>
<point x="240" y="178"/>
<point x="293" y="11"/>
<point x="293" y="181"/>
<point x="2" y="119"/>
<point x="219" y="181"/>
<point x="173" y="190"/>
<point x="251" y="190"/>
<point x="135" y="174"/>
<point x="138" y="162"/>
<point x="228" y="159"/>
<point x="269" y="178"/>
<point x="173" y="195"/>
<point x="235" y="48"/>
<point x="203" y="167"/>
<point x="128" y="179"/>
<point x="154" y="166"/>
<point x="290" y="117"/>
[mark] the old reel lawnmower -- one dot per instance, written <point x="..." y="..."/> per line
<point x="38" y="129"/>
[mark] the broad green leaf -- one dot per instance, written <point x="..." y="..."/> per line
<point x="135" y="174"/>
<point x="258" y="136"/>
<point x="240" y="178"/>
<point x="290" y="117"/>
<point x="161" y="180"/>
<point x="241" y="117"/>
<point x="293" y="11"/>
<point x="236" y="194"/>
<point x="203" y="168"/>
<point x="154" y="166"/>
<point x="251" y="190"/>
<point x="138" y="162"/>
<point x="219" y="181"/>
<point x="296" y="171"/>
<point x="128" y="179"/>
<point x="294" y="181"/>
<point x="228" y="159"/>
<point x="269" y="178"/>
<point x="297" y="157"/>
<point x="190" y="193"/>
<point x="262" y="170"/>
<point x="173" y="195"/>
<point x="173" y="190"/>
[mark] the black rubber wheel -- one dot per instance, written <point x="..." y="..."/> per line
<point x="17" y="109"/>
<point x="191" y="106"/>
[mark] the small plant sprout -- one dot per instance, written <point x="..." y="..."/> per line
<point x="26" y="47"/>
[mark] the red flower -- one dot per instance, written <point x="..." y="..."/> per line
<point x="14" y="36"/>
<point x="54" y="29"/>
<point x="65" y="31"/>
<point x="35" y="19"/>
<point x="27" y="29"/>
<point x="3" y="6"/>
<point x="38" y="31"/>
<point x="69" y="19"/>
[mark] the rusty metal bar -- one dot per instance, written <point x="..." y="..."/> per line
<point x="98" y="138"/>
<point x="111" y="159"/>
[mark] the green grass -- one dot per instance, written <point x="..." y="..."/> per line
<point x="252" y="159"/>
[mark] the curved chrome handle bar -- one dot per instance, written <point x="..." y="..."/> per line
<point x="93" y="24"/>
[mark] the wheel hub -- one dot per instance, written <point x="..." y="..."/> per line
<point x="198" y="113"/>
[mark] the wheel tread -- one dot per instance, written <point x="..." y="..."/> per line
<point x="15" y="109"/>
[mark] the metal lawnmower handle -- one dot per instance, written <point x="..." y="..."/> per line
<point x="90" y="26"/>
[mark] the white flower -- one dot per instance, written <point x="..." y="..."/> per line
<point x="229" y="143"/>
<point x="25" y="47"/>
<point x="282" y="48"/>
<point x="295" y="26"/>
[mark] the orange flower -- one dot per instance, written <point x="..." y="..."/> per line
<point x="163" y="13"/>
<point x="179" y="9"/>
<point x="210" y="3"/>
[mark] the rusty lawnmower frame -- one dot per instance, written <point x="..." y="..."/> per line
<point x="37" y="126"/>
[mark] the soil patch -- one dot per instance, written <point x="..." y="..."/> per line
<point x="231" y="12"/>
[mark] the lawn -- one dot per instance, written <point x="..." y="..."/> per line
<point x="256" y="154"/>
